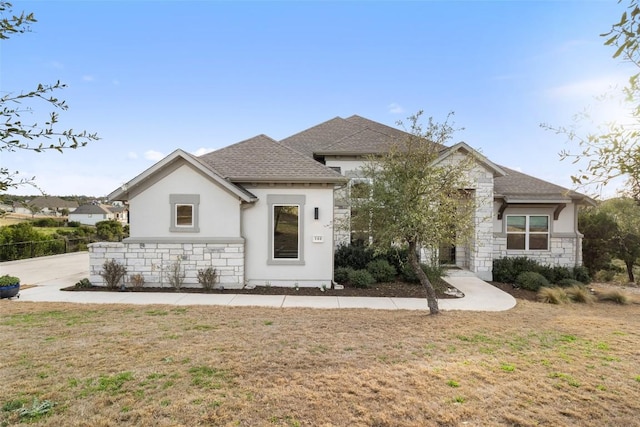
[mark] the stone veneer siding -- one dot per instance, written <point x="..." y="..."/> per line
<point x="154" y="260"/>
<point x="480" y="254"/>
<point x="562" y="251"/>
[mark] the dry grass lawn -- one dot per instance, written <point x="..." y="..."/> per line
<point x="105" y="365"/>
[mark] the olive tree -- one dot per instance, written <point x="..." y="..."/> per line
<point x="14" y="133"/>
<point x="415" y="198"/>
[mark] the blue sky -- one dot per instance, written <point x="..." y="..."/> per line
<point x="150" y="77"/>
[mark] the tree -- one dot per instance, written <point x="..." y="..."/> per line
<point x="416" y="200"/>
<point x="612" y="151"/>
<point x="599" y="244"/>
<point x="16" y="135"/>
<point x="110" y="231"/>
<point x="626" y="213"/>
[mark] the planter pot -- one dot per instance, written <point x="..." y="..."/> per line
<point x="10" y="291"/>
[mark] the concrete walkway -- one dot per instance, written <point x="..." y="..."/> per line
<point x="49" y="274"/>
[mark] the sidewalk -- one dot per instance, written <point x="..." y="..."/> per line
<point x="49" y="274"/>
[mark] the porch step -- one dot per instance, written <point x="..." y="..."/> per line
<point x="458" y="272"/>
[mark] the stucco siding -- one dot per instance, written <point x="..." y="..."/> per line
<point x="316" y="266"/>
<point x="218" y="215"/>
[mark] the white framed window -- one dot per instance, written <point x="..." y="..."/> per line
<point x="184" y="213"/>
<point x="286" y="231"/>
<point x="528" y="232"/>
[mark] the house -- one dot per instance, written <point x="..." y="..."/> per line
<point x="46" y="205"/>
<point x="264" y="212"/>
<point x="92" y="213"/>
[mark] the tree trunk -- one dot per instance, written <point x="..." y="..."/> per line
<point x="629" y="264"/>
<point x="432" y="301"/>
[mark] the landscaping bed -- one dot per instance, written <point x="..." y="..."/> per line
<point x="396" y="289"/>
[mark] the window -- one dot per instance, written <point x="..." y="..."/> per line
<point x="360" y="189"/>
<point x="286" y="232"/>
<point x="184" y="213"/>
<point x="528" y="232"/>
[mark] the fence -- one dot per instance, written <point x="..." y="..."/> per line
<point x="24" y="250"/>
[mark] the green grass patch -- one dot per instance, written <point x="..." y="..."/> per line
<point x="453" y="383"/>
<point x="209" y="378"/>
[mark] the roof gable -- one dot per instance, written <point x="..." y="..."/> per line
<point x="262" y="159"/>
<point x="168" y="165"/>
<point x="466" y="149"/>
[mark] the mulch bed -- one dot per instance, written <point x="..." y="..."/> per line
<point x="392" y="289"/>
<point x="515" y="292"/>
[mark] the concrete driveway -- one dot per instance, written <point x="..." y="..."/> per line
<point x="49" y="274"/>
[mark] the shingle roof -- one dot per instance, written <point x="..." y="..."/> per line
<point x="519" y="186"/>
<point x="52" y="202"/>
<point x="262" y="159"/>
<point x="321" y="136"/>
<point x="90" y="210"/>
<point x="354" y="135"/>
<point x="365" y="141"/>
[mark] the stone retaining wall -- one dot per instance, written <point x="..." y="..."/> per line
<point x="154" y="261"/>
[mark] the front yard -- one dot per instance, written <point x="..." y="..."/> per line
<point x="165" y="365"/>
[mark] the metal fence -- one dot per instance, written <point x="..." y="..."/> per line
<point x="24" y="250"/>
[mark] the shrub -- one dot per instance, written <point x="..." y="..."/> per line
<point x="579" y="293"/>
<point x="506" y="270"/>
<point x="432" y="272"/>
<point x="74" y="224"/>
<point x="361" y="279"/>
<point x="47" y="222"/>
<point x="396" y="256"/>
<point x="112" y="273"/>
<point x="207" y="277"/>
<point x="176" y="274"/>
<point x="110" y="230"/>
<point x="552" y="295"/>
<point x="615" y="296"/>
<point x="354" y="256"/>
<point x="531" y="281"/>
<point x="83" y="284"/>
<point x="381" y="270"/>
<point x="565" y="283"/>
<point x="341" y="274"/>
<point x="137" y="280"/>
<point x="407" y="274"/>
<point x="581" y="274"/>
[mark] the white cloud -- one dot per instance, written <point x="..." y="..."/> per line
<point x="132" y="155"/>
<point x="88" y="78"/>
<point x="395" y="108"/>
<point x="153" y="155"/>
<point x="202" y="150"/>
<point x="587" y="88"/>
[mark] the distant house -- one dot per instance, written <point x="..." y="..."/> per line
<point x="91" y="214"/>
<point x="263" y="212"/>
<point x="45" y="205"/>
